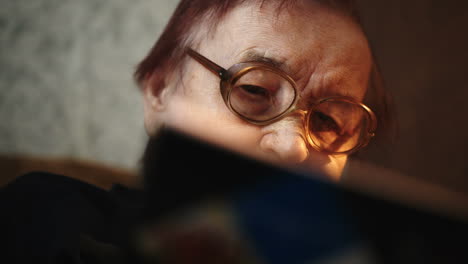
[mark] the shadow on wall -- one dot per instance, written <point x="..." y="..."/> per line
<point x="421" y="48"/>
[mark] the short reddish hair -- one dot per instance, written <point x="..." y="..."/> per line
<point x="168" y="52"/>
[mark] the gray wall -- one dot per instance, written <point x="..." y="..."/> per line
<point x="66" y="76"/>
<point x="66" y="85"/>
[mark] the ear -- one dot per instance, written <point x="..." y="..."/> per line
<point x="155" y="99"/>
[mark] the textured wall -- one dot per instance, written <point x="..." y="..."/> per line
<point x="66" y="76"/>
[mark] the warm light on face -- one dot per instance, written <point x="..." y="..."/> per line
<point x="284" y="88"/>
<point x="261" y="95"/>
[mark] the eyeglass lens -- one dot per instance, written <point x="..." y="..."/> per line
<point x="261" y="95"/>
<point x="334" y="126"/>
<point x="337" y="126"/>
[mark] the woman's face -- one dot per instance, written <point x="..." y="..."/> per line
<point x="323" y="51"/>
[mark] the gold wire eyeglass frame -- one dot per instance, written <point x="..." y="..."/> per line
<point x="230" y="76"/>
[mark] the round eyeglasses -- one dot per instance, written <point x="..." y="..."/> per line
<point x="262" y="94"/>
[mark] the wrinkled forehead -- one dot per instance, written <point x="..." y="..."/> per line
<point x="310" y="41"/>
<point x="300" y="22"/>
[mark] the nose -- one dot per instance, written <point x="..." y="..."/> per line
<point x="285" y="140"/>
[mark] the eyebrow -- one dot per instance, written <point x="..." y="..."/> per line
<point x="253" y="56"/>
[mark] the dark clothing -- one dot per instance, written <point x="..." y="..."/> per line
<point x="49" y="218"/>
<point x="280" y="216"/>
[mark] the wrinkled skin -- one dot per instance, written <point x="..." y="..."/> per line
<point x="324" y="51"/>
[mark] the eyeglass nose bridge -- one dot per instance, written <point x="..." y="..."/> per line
<point x="304" y="124"/>
<point x="292" y="112"/>
<point x="303" y="115"/>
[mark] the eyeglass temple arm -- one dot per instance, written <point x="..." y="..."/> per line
<point x="213" y="67"/>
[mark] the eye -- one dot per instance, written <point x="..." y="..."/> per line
<point x="251" y="100"/>
<point x="255" y="90"/>
<point x="253" y="94"/>
<point x="322" y="122"/>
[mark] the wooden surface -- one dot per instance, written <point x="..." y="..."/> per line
<point x="91" y="172"/>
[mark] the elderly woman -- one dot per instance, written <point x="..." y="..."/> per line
<point x="291" y="82"/>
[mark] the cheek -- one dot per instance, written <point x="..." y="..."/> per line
<point x="201" y="87"/>
<point x="209" y="119"/>
<point x="335" y="168"/>
<point x="330" y="167"/>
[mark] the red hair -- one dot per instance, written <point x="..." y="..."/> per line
<point x="168" y="53"/>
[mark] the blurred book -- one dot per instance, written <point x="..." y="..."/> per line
<point x="208" y="205"/>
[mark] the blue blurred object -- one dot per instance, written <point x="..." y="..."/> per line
<point x="292" y="219"/>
